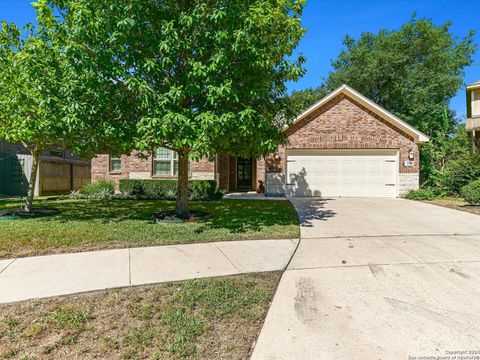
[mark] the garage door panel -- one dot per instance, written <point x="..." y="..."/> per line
<point x="342" y="174"/>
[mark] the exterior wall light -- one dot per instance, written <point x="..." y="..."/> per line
<point x="276" y="155"/>
<point x="410" y="154"/>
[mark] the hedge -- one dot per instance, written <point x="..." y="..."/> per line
<point x="471" y="193"/>
<point x="167" y="189"/>
<point x="424" y="194"/>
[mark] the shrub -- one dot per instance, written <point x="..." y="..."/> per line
<point x="102" y="189"/>
<point x="471" y="192"/>
<point x="167" y="189"/>
<point x="424" y="194"/>
<point x="458" y="173"/>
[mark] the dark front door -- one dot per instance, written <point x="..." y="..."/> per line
<point x="244" y="173"/>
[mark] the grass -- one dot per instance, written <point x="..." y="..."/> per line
<point x="98" y="224"/>
<point x="457" y="204"/>
<point x="199" y="319"/>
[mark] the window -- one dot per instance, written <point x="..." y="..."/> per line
<point x="165" y="163"/>
<point x="115" y="163"/>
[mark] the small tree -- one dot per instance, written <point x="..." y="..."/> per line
<point x="46" y="103"/>
<point x="30" y="83"/>
<point x="205" y="76"/>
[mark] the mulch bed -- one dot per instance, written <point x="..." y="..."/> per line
<point x="18" y="214"/>
<point x="169" y="216"/>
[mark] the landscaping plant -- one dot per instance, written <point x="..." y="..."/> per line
<point x="471" y="192"/>
<point x="459" y="172"/>
<point x="167" y="189"/>
<point x="101" y="189"/>
<point x="424" y="194"/>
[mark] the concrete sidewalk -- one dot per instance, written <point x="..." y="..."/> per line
<point x="53" y="275"/>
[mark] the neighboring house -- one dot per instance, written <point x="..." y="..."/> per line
<point x="59" y="172"/>
<point x="344" y="145"/>
<point x="473" y="114"/>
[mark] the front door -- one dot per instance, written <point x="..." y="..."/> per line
<point x="244" y="173"/>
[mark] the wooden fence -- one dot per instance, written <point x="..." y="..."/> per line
<point x="62" y="178"/>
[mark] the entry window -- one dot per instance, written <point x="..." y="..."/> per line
<point x="115" y="163"/>
<point x="165" y="163"/>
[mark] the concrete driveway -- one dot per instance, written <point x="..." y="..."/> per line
<point x="377" y="279"/>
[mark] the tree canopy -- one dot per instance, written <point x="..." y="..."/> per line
<point x="202" y="77"/>
<point x="412" y="72"/>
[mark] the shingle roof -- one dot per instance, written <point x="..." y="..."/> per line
<point x="475" y="83"/>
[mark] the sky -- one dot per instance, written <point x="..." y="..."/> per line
<point x="327" y="22"/>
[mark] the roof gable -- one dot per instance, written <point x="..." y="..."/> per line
<point x="417" y="135"/>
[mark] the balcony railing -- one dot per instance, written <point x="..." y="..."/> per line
<point x="473" y="124"/>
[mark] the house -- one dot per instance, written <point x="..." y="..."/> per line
<point x="59" y="172"/>
<point x="473" y="114"/>
<point x="344" y="145"/>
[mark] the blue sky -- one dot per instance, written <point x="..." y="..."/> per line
<point x="327" y="21"/>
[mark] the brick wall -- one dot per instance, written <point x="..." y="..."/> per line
<point x="136" y="166"/>
<point x="346" y="124"/>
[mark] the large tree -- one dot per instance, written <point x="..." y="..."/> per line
<point x="205" y="76"/>
<point x="413" y="72"/>
<point x="46" y="103"/>
<point x="301" y="100"/>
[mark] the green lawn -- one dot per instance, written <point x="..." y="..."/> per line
<point x="199" y="319"/>
<point x="95" y="224"/>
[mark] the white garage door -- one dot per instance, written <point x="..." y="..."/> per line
<point x="359" y="173"/>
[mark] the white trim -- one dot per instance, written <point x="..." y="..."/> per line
<point x="418" y="136"/>
<point x="340" y="153"/>
<point x="398" y="173"/>
<point x="473" y="87"/>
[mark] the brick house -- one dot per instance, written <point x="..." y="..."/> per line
<point x="344" y="145"/>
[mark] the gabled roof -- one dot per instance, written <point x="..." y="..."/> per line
<point x="417" y="135"/>
<point x="475" y="85"/>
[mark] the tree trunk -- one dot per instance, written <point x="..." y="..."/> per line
<point x="181" y="207"/>
<point x="33" y="180"/>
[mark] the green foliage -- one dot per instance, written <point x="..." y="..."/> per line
<point x="471" y="192"/>
<point x="101" y="189"/>
<point x="424" y="194"/>
<point x="412" y="72"/>
<point x="183" y="328"/>
<point x="68" y="318"/>
<point x="301" y="100"/>
<point x="224" y="299"/>
<point x="167" y="189"/>
<point x="199" y="77"/>
<point x="458" y="173"/>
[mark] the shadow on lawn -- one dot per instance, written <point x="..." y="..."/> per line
<point x="236" y="216"/>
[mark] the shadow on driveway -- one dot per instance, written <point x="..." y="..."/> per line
<point x="310" y="209"/>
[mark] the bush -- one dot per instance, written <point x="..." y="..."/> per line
<point x="102" y="189"/>
<point x="458" y="173"/>
<point x="167" y="189"/>
<point x="471" y="193"/>
<point x="424" y="194"/>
